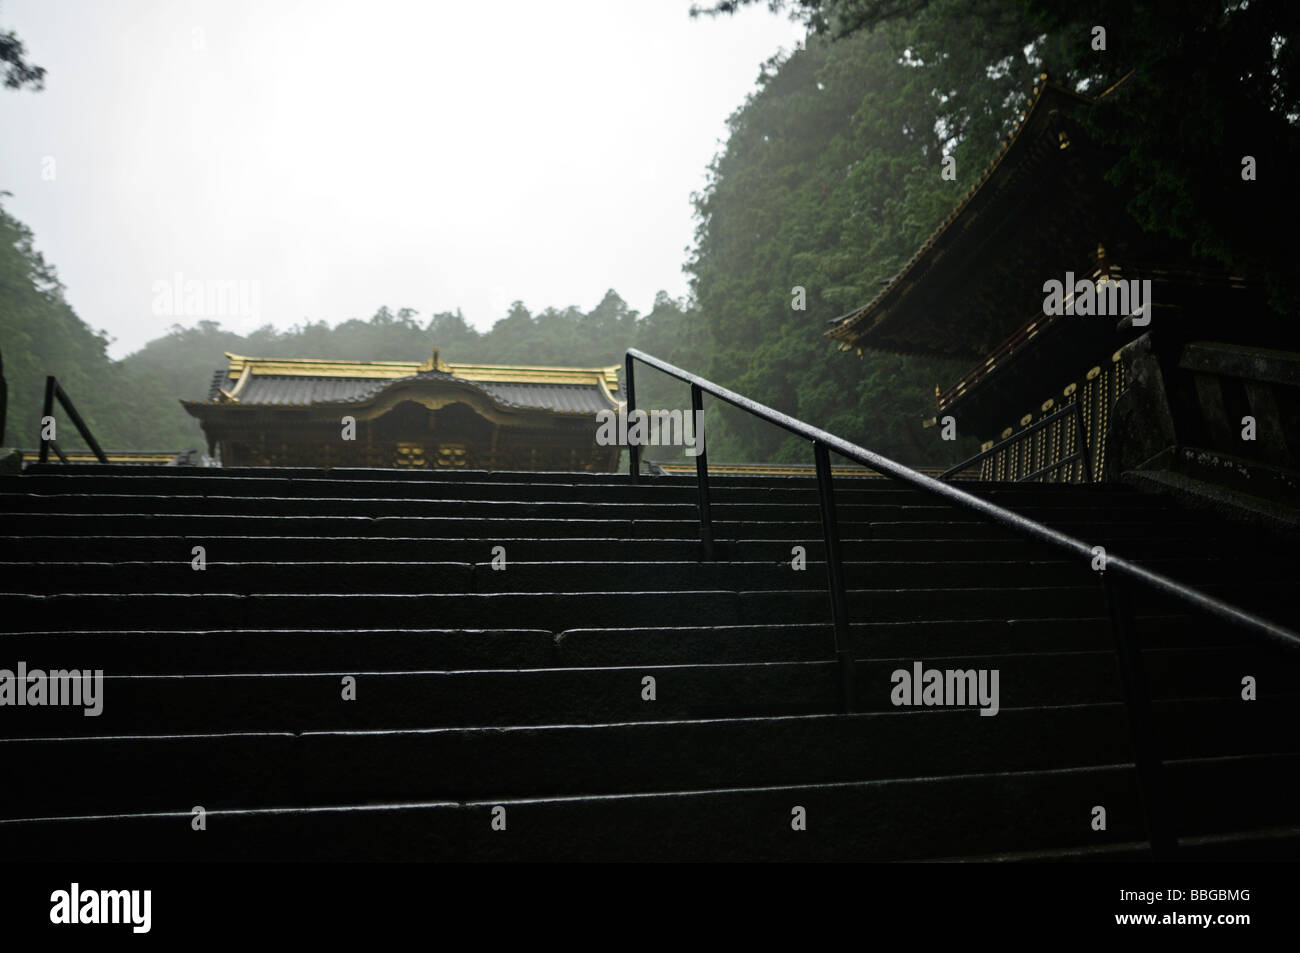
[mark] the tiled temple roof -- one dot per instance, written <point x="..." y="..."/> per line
<point x="297" y="382"/>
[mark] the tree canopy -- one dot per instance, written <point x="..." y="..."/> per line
<point x="1207" y="83"/>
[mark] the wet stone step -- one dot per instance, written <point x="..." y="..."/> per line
<point x="756" y="643"/>
<point x="359" y="699"/>
<point x="508" y="575"/>
<point x="268" y="769"/>
<point x="231" y="548"/>
<point x="874" y="492"/>
<point x="723" y="512"/>
<point x="168" y="651"/>
<point x="553" y="611"/>
<point x="258" y="650"/>
<point x="494" y="528"/>
<point x="984" y="814"/>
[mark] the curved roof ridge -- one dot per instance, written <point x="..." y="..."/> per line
<point x="588" y="396"/>
<point x="850" y="319"/>
<point x="392" y="370"/>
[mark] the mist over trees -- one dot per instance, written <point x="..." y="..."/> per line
<point x="134" y="403"/>
<point x="829" y="180"/>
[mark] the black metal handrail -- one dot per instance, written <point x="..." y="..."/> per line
<point x="1073" y="408"/>
<point x="55" y="392"/>
<point x="1133" y="682"/>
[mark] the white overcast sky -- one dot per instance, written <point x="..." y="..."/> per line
<point x="346" y="154"/>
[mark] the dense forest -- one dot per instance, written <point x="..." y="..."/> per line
<point x="829" y="179"/>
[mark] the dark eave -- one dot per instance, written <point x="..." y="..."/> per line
<point x="1040" y="203"/>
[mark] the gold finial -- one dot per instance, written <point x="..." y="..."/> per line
<point x="1101" y="252"/>
<point x="434" y="363"/>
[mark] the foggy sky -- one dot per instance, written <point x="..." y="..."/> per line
<point x="337" y="156"/>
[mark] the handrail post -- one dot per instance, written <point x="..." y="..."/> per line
<point x="702" y="470"/>
<point x="634" y="452"/>
<point x="835" y="574"/>
<point x="47" y="410"/>
<point x="52" y="392"/>
<point x="1137" y="702"/>
<point x="80" y="424"/>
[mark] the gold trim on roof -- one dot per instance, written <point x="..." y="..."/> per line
<point x="241" y="366"/>
<point x="244" y="375"/>
<point x="125" y="456"/>
<point x="1118" y="83"/>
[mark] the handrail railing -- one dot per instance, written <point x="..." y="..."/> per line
<point x="55" y="392"/>
<point x="1137" y="701"/>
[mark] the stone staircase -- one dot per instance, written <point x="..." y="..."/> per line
<point x="606" y="695"/>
